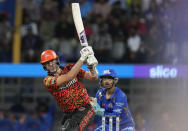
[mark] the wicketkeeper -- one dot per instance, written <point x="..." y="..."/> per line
<point x="114" y="102"/>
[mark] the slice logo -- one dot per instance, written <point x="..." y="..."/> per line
<point x="163" y="72"/>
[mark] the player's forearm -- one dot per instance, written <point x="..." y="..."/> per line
<point x="93" y="77"/>
<point x="94" y="72"/>
<point x="75" y="69"/>
<point x="91" y="64"/>
<point x="90" y="77"/>
<point x="70" y="75"/>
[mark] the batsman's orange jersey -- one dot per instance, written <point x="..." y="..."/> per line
<point x="71" y="95"/>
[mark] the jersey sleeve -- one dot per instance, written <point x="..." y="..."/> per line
<point x="81" y="73"/>
<point x="120" y="103"/>
<point x="50" y="83"/>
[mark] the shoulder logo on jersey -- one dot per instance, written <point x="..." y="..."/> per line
<point x="68" y="84"/>
<point x="50" y="80"/>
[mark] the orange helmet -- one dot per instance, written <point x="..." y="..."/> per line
<point x="48" y="55"/>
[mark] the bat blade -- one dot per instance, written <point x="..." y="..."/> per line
<point x="79" y="24"/>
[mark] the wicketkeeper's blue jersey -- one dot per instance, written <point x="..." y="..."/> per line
<point x="116" y="105"/>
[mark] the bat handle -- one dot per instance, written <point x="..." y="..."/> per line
<point x="90" y="66"/>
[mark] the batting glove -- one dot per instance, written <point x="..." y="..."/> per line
<point x="85" y="52"/>
<point x="92" y="61"/>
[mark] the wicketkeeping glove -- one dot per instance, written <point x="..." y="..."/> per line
<point x="98" y="110"/>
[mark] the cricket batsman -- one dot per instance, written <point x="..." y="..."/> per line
<point x="114" y="102"/>
<point x="64" y="84"/>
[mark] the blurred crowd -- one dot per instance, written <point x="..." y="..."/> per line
<point x="120" y="31"/>
<point x="47" y="117"/>
<point x="20" y="118"/>
<point x="165" y="119"/>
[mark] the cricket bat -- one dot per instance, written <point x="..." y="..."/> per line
<point x="79" y="24"/>
<point x="81" y="32"/>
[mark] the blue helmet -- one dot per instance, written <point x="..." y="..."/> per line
<point x="109" y="72"/>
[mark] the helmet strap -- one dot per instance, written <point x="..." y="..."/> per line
<point x="115" y="81"/>
<point x="44" y="67"/>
